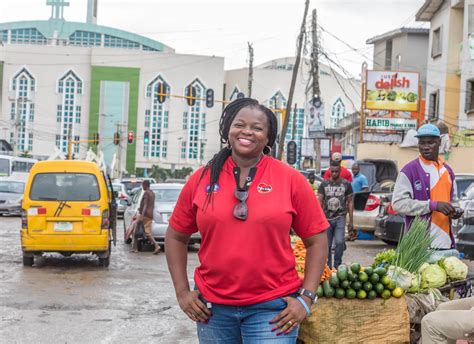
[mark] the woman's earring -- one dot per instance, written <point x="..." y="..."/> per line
<point x="228" y="146"/>
<point x="269" y="149"/>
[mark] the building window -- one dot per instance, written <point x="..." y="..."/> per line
<point x="117" y="42"/>
<point x="147" y="118"/>
<point x="194" y="120"/>
<point x="433" y="111"/>
<point x="31" y="116"/>
<point x="388" y="54"/>
<point x="13" y="111"/>
<point x="165" y="120"/>
<point x="30" y="142"/>
<point x="203" y="122"/>
<point x="76" y="145"/>
<point x="185" y="120"/>
<point x="436" y="43"/>
<point x="338" y="112"/>
<point x="183" y="149"/>
<point x="147" y="48"/>
<point x="23" y="83"/>
<point x="164" y="149"/>
<point x="157" y="117"/>
<point x="27" y="36"/>
<point x="4" y="36"/>
<point x="69" y="112"/>
<point x="469" y="107"/>
<point x="85" y="39"/>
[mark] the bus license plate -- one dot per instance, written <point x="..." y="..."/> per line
<point x="63" y="226"/>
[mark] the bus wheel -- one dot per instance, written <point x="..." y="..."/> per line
<point x="28" y="261"/>
<point x="104" y="262"/>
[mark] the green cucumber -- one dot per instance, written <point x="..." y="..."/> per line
<point x="342" y="272"/>
<point x="334" y="280"/>
<point x="328" y="290"/>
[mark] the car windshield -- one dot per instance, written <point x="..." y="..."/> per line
<point x="12" y="187"/>
<point x="166" y="195"/>
<point x="462" y="185"/>
<point x="130" y="185"/>
<point x="65" y="187"/>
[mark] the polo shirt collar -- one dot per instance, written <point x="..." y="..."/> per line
<point x="230" y="163"/>
<point x="429" y="162"/>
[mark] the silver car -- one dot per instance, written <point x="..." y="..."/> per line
<point x="11" y="196"/>
<point x="123" y="199"/>
<point x="166" y="196"/>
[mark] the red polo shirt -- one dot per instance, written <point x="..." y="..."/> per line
<point x="345" y="173"/>
<point x="251" y="261"/>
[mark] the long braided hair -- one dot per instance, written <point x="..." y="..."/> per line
<point x="231" y="110"/>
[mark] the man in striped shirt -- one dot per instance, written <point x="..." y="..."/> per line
<point x="425" y="187"/>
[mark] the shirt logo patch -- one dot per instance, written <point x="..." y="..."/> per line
<point x="216" y="188"/>
<point x="418" y="185"/>
<point x="264" y="188"/>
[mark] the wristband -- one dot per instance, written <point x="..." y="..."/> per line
<point x="303" y="302"/>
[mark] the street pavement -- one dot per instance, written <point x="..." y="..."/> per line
<point x="73" y="300"/>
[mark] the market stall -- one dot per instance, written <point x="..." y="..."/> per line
<point x="384" y="302"/>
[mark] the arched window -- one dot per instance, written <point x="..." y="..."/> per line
<point x="22" y="108"/>
<point x="157" y="118"/>
<point x="69" y="111"/>
<point x="195" y="119"/>
<point x="338" y="112"/>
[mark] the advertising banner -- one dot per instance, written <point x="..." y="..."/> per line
<point x="393" y="91"/>
<point x="314" y="113"/>
<point x="372" y="123"/>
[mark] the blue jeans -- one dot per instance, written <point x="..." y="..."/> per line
<point x="244" y="324"/>
<point x="336" y="231"/>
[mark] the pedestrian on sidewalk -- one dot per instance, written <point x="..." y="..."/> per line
<point x="244" y="203"/>
<point x="335" y="196"/>
<point x="336" y="159"/>
<point x="425" y="187"/>
<point x="145" y="211"/>
<point x="451" y="321"/>
<point x="359" y="181"/>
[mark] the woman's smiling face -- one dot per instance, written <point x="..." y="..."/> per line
<point x="248" y="134"/>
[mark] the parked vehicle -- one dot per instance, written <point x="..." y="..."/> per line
<point x="11" y="196"/>
<point x="15" y="166"/>
<point x="390" y="225"/>
<point x="68" y="207"/>
<point x="465" y="238"/>
<point x="123" y="199"/>
<point x="381" y="175"/>
<point x="166" y="196"/>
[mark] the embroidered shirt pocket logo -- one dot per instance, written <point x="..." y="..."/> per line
<point x="418" y="185"/>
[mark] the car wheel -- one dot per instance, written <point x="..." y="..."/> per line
<point x="139" y="245"/>
<point x="104" y="262"/>
<point x="28" y="261"/>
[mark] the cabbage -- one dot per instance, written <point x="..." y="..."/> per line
<point x="401" y="277"/>
<point x="423" y="267"/>
<point x="433" y="276"/>
<point x="415" y="283"/>
<point x="454" y="267"/>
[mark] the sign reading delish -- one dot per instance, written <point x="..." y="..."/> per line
<point x="393" y="91"/>
<point x="390" y="123"/>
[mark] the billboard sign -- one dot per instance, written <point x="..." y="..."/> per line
<point x="393" y="91"/>
<point x="314" y="113"/>
<point x="373" y="123"/>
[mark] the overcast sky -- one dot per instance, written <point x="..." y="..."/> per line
<point x="223" y="27"/>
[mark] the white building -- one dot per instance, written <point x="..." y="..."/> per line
<point x="60" y="78"/>
<point x="450" y="76"/>
<point x="271" y="84"/>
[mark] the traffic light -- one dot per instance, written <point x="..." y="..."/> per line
<point x="190" y="95"/>
<point x="291" y="153"/>
<point x="95" y="138"/>
<point x="209" y="97"/>
<point x="130" y="137"/>
<point x="161" y="92"/>
<point x="116" y="138"/>
<point x="146" y="137"/>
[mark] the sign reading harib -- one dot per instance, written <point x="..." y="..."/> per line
<point x="393" y="91"/>
<point x="373" y="123"/>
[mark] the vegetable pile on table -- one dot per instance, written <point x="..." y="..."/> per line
<point x="409" y="264"/>
<point x="299" y="251"/>
<point x="355" y="281"/>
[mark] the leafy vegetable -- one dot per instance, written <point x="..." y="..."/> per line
<point x="386" y="257"/>
<point x="455" y="268"/>
<point x="401" y="277"/>
<point x="414" y="248"/>
<point x="433" y="276"/>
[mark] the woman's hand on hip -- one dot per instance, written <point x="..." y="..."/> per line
<point x="289" y="318"/>
<point x="193" y="307"/>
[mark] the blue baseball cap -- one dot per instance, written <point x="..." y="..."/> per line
<point x="428" y="130"/>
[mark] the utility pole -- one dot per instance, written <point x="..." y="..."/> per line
<point x="316" y="90"/>
<point x="250" y="69"/>
<point x="281" y="144"/>
<point x="119" y="150"/>
<point x="293" y="131"/>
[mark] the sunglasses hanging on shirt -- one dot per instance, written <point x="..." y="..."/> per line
<point x="242" y="194"/>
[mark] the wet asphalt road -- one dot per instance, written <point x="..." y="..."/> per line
<point x="73" y="300"/>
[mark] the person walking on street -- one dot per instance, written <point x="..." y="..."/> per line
<point x="425" y="187"/>
<point x="359" y="181"/>
<point x="451" y="321"/>
<point x="336" y="158"/>
<point x="145" y="211"/>
<point x="312" y="181"/>
<point x="245" y="203"/>
<point x="335" y="196"/>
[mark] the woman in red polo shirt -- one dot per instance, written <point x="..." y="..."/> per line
<point x="244" y="203"/>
